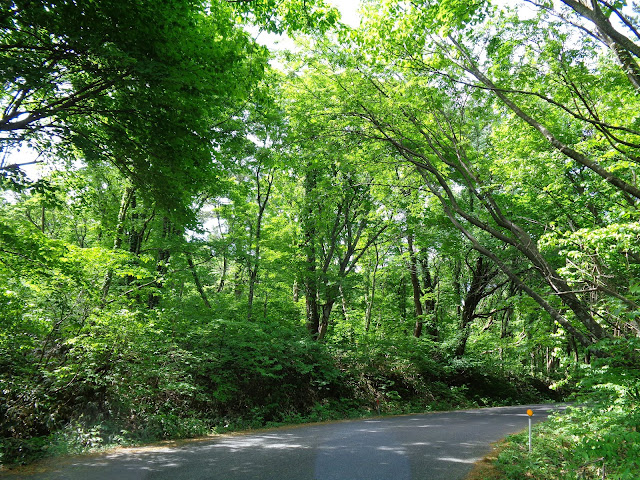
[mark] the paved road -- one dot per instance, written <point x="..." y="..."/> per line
<point x="437" y="446"/>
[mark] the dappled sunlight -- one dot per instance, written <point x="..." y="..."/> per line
<point x="437" y="446"/>
<point x="271" y="442"/>
<point x="418" y="444"/>
<point x="458" y="460"/>
<point x="400" y="450"/>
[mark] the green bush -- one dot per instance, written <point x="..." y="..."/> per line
<point x="158" y="375"/>
<point x="603" y="429"/>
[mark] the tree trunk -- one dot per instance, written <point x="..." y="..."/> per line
<point x="238" y="286"/>
<point x="402" y="299"/>
<point x="429" y="284"/>
<point x="223" y="274"/>
<point x="263" y="199"/>
<point x="135" y="236"/>
<point x="324" y="324"/>
<point x="161" y="264"/>
<point x="196" y="280"/>
<point x="417" y="292"/>
<point x="296" y="291"/>
<point x="482" y="275"/>
<point x="457" y="285"/>
<point x="311" y="289"/>
<point x="370" y="300"/>
<point x="310" y="269"/>
<point x="117" y="241"/>
<point x="225" y="261"/>
<point x="313" y="315"/>
<point x="343" y="301"/>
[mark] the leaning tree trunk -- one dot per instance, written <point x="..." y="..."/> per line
<point x="196" y="280"/>
<point x="332" y="294"/>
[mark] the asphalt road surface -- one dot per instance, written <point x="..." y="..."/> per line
<point x="436" y="446"/>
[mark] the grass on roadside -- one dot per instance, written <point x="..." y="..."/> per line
<point x="571" y="446"/>
<point x="603" y="431"/>
<point x="486" y="468"/>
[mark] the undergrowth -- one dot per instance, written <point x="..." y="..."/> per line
<point x="601" y="430"/>
<point x="211" y="387"/>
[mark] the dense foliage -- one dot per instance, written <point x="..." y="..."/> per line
<point x="436" y="209"/>
<point x="599" y="434"/>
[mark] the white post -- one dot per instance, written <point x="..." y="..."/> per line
<point x="530" y="414"/>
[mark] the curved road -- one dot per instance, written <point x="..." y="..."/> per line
<point x="436" y="446"/>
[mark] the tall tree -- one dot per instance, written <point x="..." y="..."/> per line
<point x="391" y="98"/>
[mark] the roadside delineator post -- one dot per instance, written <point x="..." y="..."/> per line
<point x="530" y="414"/>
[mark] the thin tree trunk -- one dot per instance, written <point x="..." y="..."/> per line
<point x="429" y="284"/>
<point x="312" y="313"/>
<point x="457" y="285"/>
<point x="238" y="286"/>
<point x="310" y="273"/>
<point x="117" y="241"/>
<point x="417" y="292"/>
<point x="253" y="268"/>
<point x="225" y="261"/>
<point x="343" y="302"/>
<point x="367" y="316"/>
<point x="196" y="280"/>
<point x="296" y="291"/>
<point x="402" y="297"/>
<point x="266" y="304"/>
<point x="161" y="264"/>
<point x="223" y="274"/>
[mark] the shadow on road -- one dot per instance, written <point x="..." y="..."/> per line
<point x="438" y="446"/>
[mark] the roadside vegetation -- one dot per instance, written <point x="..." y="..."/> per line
<point x="599" y="431"/>
<point x="174" y="391"/>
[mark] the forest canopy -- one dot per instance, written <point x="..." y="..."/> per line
<point x="436" y="208"/>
